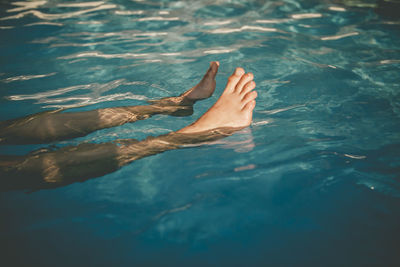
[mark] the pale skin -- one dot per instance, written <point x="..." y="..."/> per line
<point x="46" y="169"/>
<point x="233" y="109"/>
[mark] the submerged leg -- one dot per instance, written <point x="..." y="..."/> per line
<point x="45" y="169"/>
<point x="54" y="126"/>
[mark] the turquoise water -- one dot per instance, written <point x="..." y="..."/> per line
<point x="313" y="181"/>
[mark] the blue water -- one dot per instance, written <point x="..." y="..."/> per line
<point x="315" y="180"/>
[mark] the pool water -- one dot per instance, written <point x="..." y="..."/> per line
<point x="315" y="180"/>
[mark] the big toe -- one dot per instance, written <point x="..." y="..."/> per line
<point x="213" y="68"/>
<point x="234" y="79"/>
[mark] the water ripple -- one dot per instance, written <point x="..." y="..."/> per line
<point x="99" y="54"/>
<point x="244" y="28"/>
<point x="26" y="5"/>
<point x="81" y="4"/>
<point x="66" y="15"/>
<point x="158" y="19"/>
<point x="306" y="16"/>
<point x="339" y="36"/>
<point x="44" y="23"/>
<point x="27" y="77"/>
<point x="326" y="119"/>
<point x="54" y="99"/>
<point x="337" y="8"/>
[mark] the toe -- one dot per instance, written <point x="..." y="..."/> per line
<point x="238" y="72"/>
<point x="248" y="87"/>
<point x="244" y="79"/>
<point x="212" y="70"/>
<point x="249" y="106"/>
<point x="234" y="79"/>
<point x="250" y="96"/>
<point x="215" y="62"/>
<point x="214" y="66"/>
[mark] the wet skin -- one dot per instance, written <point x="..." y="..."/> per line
<point x="47" y="169"/>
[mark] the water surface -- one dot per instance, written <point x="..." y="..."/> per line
<point x="313" y="181"/>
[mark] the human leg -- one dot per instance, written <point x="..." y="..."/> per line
<point x="54" y="125"/>
<point x="44" y="169"/>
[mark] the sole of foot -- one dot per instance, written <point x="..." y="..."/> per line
<point x="234" y="108"/>
<point x="204" y="89"/>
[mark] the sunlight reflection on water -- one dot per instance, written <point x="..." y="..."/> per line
<point x="320" y="159"/>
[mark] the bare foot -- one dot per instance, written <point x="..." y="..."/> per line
<point x="233" y="109"/>
<point x="204" y="89"/>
